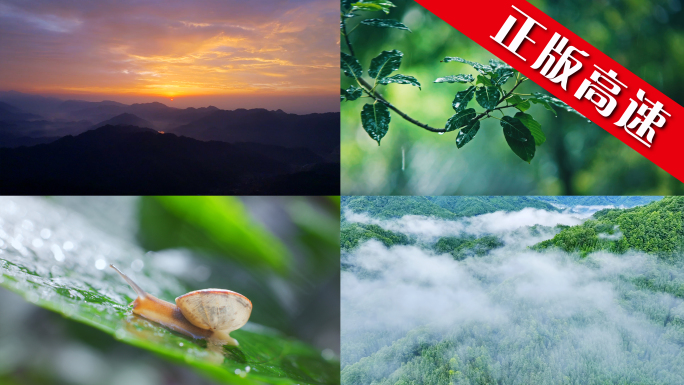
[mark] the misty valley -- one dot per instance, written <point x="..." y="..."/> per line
<point x="52" y="146"/>
<point x="512" y="290"/>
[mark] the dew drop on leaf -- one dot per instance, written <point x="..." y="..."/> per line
<point x="441" y="133"/>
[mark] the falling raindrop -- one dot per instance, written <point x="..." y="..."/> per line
<point x="403" y="159"/>
<point x="441" y="133"/>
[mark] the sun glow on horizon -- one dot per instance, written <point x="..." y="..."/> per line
<point x="226" y="50"/>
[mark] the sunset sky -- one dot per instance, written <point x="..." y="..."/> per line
<point x="227" y="53"/>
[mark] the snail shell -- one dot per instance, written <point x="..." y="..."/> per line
<point x="215" y="309"/>
<point x="208" y="313"/>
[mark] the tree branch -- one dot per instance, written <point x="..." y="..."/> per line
<point x="368" y="89"/>
<point x="377" y="96"/>
<point x="346" y="37"/>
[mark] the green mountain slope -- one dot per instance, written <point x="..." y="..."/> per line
<point x="439" y="207"/>
<point x="599" y="201"/>
<point x="470" y="206"/>
<point x="385" y="207"/>
<point x="655" y="228"/>
<point x="467" y="246"/>
<point x="354" y="233"/>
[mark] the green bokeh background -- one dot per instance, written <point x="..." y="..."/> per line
<point x="646" y="37"/>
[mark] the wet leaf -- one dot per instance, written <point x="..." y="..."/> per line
<point x="351" y="93"/>
<point x="467" y="133"/>
<point x="373" y="5"/>
<point x="462" y="99"/>
<point x="554" y="101"/>
<point x="481" y="68"/>
<point x="487" y="97"/>
<point x="483" y="80"/>
<point x="455" y="79"/>
<point x="519" y="138"/>
<point x="385" y="23"/>
<point x="56" y="259"/>
<point x="384" y="64"/>
<point x="501" y="75"/>
<point x="375" y="119"/>
<point x="460" y="119"/>
<point x="533" y="126"/>
<point x="543" y="100"/>
<point x="400" y="79"/>
<point x="350" y="65"/>
<point x="519" y="103"/>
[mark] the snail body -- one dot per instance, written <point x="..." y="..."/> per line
<point x="210" y="313"/>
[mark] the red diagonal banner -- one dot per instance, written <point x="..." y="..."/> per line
<point x="575" y="72"/>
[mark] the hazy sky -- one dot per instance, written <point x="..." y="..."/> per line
<point x="198" y="52"/>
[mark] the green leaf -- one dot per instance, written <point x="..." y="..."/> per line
<point x="345" y="4"/>
<point x="555" y="102"/>
<point x="501" y="75"/>
<point x="375" y="119"/>
<point x="543" y="100"/>
<point x="384" y="64"/>
<point x="75" y="286"/>
<point x="487" y="97"/>
<point x="226" y="225"/>
<point x="463" y="98"/>
<point x="385" y="23"/>
<point x="519" y="103"/>
<point x="351" y="93"/>
<point x="455" y="79"/>
<point x="460" y="119"/>
<point x="483" y="80"/>
<point x="373" y="5"/>
<point x="533" y="126"/>
<point x="481" y="68"/>
<point x="496" y="64"/>
<point x="400" y="79"/>
<point x="467" y="133"/>
<point x="350" y="65"/>
<point x="519" y="138"/>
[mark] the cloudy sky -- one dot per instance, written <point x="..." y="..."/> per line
<point x="197" y="52"/>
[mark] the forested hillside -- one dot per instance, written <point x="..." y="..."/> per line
<point x="384" y="207"/>
<point x="470" y="300"/>
<point x="617" y="201"/>
<point x="470" y="206"/>
<point x="355" y="233"/>
<point x="467" y="246"/>
<point x="655" y="228"/>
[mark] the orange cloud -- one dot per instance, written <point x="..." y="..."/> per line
<point x="170" y="48"/>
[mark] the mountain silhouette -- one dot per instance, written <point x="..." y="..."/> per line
<point x="11" y="113"/>
<point x="125" y="119"/>
<point x="318" y="132"/>
<point x="131" y="160"/>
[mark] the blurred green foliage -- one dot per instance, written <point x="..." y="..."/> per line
<point x="647" y="37"/>
<point x="220" y="225"/>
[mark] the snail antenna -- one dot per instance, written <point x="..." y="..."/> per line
<point x="141" y="292"/>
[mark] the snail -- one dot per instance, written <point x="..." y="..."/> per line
<point x="210" y="313"/>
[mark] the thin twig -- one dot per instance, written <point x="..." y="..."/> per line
<point x="370" y="90"/>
